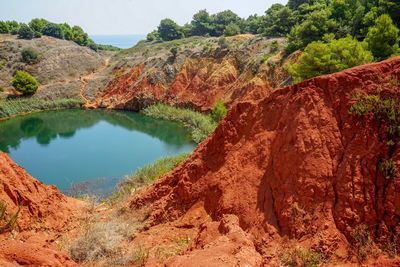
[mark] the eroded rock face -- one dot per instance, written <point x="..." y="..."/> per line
<point x="294" y="164"/>
<point x="197" y="77"/>
<point x="45" y="213"/>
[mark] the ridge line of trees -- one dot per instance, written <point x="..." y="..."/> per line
<point x="334" y="34"/>
<point x="39" y="26"/>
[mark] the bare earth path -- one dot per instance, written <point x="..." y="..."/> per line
<point x="85" y="79"/>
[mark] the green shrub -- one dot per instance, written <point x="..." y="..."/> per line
<point x="200" y="124"/>
<point x="174" y="51"/>
<point x="4" y="27"/>
<point x="232" y="29"/>
<point x="219" y="111"/>
<point x="362" y="241"/>
<point x="223" y="44"/>
<point x="38" y="24"/>
<point x="29" y="55"/>
<point x="25" y="32"/>
<point x="274" y="47"/>
<point x="323" y="58"/>
<point x="388" y="168"/>
<point x="383" y="38"/>
<point x="54" y="30"/>
<point x="25" y="83"/>
<point x="169" y="30"/>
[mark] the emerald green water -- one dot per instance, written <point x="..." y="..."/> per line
<point x="89" y="150"/>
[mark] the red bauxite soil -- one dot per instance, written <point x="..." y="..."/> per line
<point x="199" y="84"/>
<point x="293" y="166"/>
<point x="45" y="213"/>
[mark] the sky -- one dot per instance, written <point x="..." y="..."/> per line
<point x="123" y="16"/>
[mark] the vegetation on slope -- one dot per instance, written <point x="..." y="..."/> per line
<point x="13" y="107"/>
<point x="200" y="124"/>
<point x="371" y="26"/>
<point x="146" y="175"/>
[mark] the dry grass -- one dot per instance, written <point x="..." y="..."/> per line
<point x="300" y="256"/>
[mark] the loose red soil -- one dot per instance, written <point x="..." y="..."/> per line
<point x="45" y="214"/>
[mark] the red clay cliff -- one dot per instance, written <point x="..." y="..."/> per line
<point x="295" y="166"/>
<point x="45" y="213"/>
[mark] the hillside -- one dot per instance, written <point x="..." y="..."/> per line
<point x="289" y="175"/>
<point x="58" y="69"/>
<point x="202" y="71"/>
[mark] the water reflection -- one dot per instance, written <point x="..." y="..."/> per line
<point x="48" y="126"/>
<point x="72" y="147"/>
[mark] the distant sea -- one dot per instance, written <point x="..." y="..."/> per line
<point x="121" y="41"/>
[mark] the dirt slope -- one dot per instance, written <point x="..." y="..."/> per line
<point x="293" y="167"/>
<point x="45" y="214"/>
<point x="202" y="72"/>
<point x="58" y="69"/>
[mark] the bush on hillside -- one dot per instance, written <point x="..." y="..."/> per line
<point x="219" y="111"/>
<point x="29" y="55"/>
<point x="383" y="38"/>
<point x="153" y="36"/>
<point x="232" y="29"/>
<point x="25" y="32"/>
<point x="323" y="58"/>
<point x="25" y="83"/>
<point x="37" y="24"/>
<point x="53" y="30"/>
<point x="4" y="27"/>
<point x="223" y="44"/>
<point x="169" y="30"/>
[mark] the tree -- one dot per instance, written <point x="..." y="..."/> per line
<point x="169" y="30"/>
<point x="67" y="31"/>
<point x="153" y="36"/>
<point x="25" y="83"/>
<point x="295" y="4"/>
<point x="14" y="27"/>
<point x="79" y="36"/>
<point x="317" y="24"/>
<point x="219" y="111"/>
<point x="349" y="15"/>
<point x="53" y="30"/>
<point x="278" y="21"/>
<point x="29" y="55"/>
<point x="322" y="58"/>
<point x="383" y="38"/>
<point x="4" y="27"/>
<point x="252" y="24"/>
<point x="25" y="32"/>
<point x="38" y="24"/>
<point x="232" y="29"/>
<point x="221" y="20"/>
<point x="201" y="24"/>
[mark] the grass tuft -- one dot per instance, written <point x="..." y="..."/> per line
<point x="14" y="107"/>
<point x="146" y="175"/>
<point x="200" y="124"/>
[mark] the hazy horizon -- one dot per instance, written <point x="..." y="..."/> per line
<point x="123" y="17"/>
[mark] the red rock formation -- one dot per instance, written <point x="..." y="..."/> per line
<point x="45" y="213"/>
<point x="294" y="164"/>
<point x="199" y="84"/>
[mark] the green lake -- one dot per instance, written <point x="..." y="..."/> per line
<point x="89" y="151"/>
